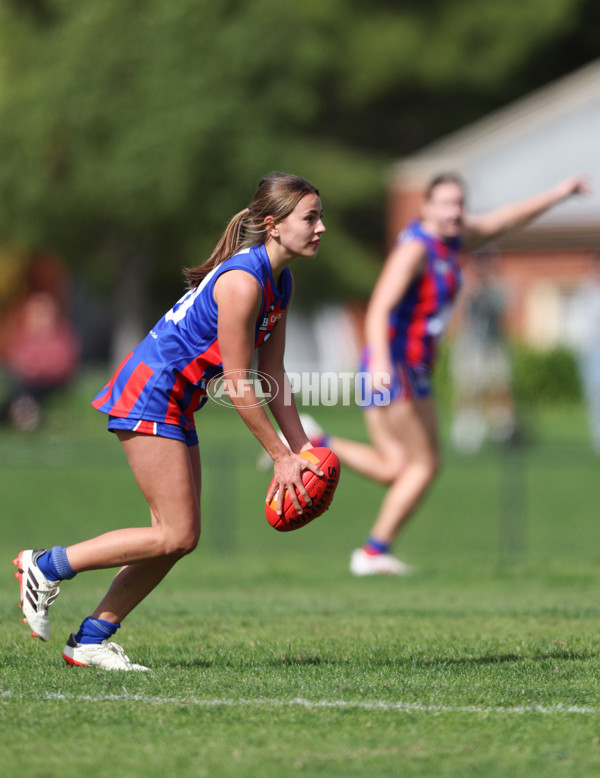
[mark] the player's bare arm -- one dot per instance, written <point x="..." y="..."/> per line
<point x="283" y="405"/>
<point x="515" y="215"/>
<point x="238" y="297"/>
<point x="403" y="265"/>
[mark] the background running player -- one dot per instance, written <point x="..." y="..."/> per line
<point x="408" y="312"/>
<point x="237" y="302"/>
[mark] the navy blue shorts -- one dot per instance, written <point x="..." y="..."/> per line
<point x="408" y="382"/>
<point x="159" y="428"/>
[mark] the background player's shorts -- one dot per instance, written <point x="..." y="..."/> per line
<point x="408" y="382"/>
<point x="159" y="428"/>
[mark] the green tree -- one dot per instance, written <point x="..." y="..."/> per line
<point x="131" y="130"/>
<point x="410" y="71"/>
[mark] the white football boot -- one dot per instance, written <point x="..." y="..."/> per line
<point x="37" y="593"/>
<point x="362" y="563"/>
<point x="106" y="655"/>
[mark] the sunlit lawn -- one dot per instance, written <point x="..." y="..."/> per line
<point x="269" y="659"/>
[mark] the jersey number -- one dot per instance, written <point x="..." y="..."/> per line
<point x="179" y="310"/>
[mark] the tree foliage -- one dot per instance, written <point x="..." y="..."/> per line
<point x="150" y="123"/>
<point x="130" y="127"/>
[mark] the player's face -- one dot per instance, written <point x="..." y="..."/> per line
<point x="299" y="234"/>
<point x="445" y="209"/>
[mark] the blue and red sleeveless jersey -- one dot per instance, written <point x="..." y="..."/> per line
<point x="165" y="377"/>
<point x="421" y="317"/>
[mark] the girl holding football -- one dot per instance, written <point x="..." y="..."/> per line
<point x="237" y="302"/>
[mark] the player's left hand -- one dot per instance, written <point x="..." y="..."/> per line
<point x="574" y="185"/>
<point x="287" y="476"/>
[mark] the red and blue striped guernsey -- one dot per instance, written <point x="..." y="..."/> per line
<point x="421" y="317"/>
<point x="164" y="378"/>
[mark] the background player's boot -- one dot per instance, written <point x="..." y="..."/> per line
<point x="362" y="563"/>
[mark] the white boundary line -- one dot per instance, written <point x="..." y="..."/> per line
<point x="404" y="707"/>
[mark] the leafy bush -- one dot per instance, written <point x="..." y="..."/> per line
<point x="539" y="377"/>
<point x="545" y="376"/>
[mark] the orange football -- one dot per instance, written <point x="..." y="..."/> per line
<point x="320" y="491"/>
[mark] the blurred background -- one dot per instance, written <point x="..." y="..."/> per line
<point x="130" y="132"/>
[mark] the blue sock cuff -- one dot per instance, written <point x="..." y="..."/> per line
<point x="95" y="630"/>
<point x="46" y="565"/>
<point x="61" y="563"/>
<point x="377" y="545"/>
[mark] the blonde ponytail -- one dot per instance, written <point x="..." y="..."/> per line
<point x="232" y="240"/>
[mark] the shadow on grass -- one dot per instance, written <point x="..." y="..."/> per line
<point x="305" y="659"/>
<point x="494" y="659"/>
<point x="312" y="660"/>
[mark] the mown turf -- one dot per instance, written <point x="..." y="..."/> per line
<point x="268" y="659"/>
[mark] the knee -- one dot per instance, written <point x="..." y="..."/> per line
<point x="388" y="477"/>
<point x="426" y="467"/>
<point x="392" y="470"/>
<point x="182" y="544"/>
<point x="190" y="543"/>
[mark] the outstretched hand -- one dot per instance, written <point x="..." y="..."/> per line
<point x="574" y="185"/>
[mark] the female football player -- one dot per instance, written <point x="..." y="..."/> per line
<point x="237" y="302"/>
<point x="408" y="311"/>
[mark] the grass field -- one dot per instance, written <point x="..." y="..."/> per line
<point x="268" y="659"/>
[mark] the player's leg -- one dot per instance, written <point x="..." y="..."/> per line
<point x="413" y="424"/>
<point x="164" y="472"/>
<point x="169" y="477"/>
<point x="168" y="474"/>
<point x="133" y="582"/>
<point x="382" y="459"/>
<point x="378" y="460"/>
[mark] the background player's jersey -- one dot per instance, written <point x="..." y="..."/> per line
<point x="421" y="317"/>
<point x="164" y="378"/>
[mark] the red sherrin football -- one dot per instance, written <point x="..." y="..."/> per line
<point x="320" y="491"/>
